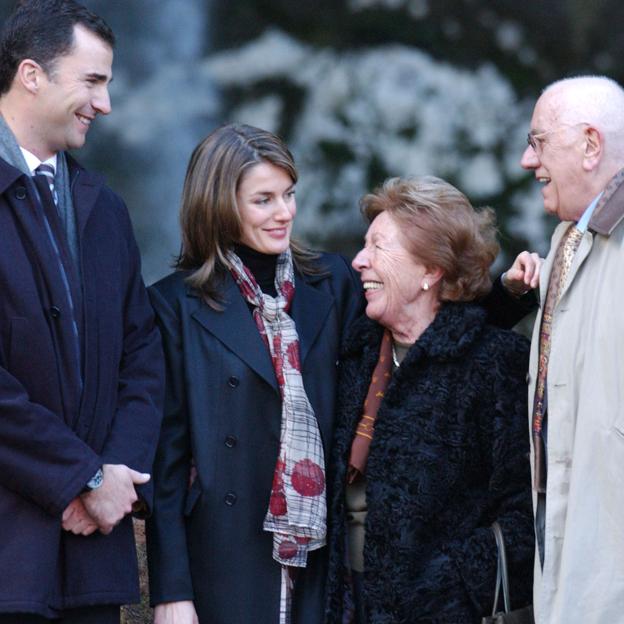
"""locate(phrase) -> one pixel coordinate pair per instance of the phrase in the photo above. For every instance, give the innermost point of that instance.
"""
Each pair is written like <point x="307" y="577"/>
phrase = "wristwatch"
<point x="94" y="482"/>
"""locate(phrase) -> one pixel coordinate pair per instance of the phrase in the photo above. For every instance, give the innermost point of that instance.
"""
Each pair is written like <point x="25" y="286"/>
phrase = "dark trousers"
<point x="84" y="615"/>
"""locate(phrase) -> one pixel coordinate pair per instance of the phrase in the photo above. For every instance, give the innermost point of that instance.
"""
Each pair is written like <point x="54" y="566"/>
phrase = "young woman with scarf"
<point x="251" y="324"/>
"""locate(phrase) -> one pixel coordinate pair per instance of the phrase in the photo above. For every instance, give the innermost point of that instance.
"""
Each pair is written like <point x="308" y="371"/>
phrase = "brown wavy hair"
<point x="441" y="229"/>
<point x="209" y="214"/>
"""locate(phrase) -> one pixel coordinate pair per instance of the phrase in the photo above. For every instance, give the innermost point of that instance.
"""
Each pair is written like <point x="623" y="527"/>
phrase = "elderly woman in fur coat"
<point x="432" y="441"/>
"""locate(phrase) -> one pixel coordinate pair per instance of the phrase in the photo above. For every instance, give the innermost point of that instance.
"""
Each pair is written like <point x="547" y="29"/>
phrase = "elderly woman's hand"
<point x="523" y="274"/>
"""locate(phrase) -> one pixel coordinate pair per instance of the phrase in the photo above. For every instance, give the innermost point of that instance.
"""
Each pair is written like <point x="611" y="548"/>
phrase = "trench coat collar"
<point x="581" y="254"/>
<point x="606" y="216"/>
<point x="235" y="328"/>
<point x="610" y="209"/>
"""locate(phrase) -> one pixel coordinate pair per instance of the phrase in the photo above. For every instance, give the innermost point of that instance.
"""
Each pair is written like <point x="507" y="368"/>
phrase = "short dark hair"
<point x="43" y="30"/>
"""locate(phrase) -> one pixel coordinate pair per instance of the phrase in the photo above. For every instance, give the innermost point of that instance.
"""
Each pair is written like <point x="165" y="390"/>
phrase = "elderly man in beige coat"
<point x="576" y="150"/>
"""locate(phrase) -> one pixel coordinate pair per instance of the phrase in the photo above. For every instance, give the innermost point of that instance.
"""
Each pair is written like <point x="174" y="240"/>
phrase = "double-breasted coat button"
<point x="20" y="192"/>
<point x="230" y="441"/>
<point x="55" y="312"/>
<point x="233" y="382"/>
<point x="230" y="499"/>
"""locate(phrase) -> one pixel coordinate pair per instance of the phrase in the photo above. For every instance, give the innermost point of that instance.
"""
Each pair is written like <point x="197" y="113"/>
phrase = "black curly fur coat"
<point x="449" y="456"/>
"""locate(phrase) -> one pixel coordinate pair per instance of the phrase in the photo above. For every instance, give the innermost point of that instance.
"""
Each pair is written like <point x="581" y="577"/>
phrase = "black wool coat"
<point x="206" y="542"/>
<point x="449" y="456"/>
<point x="54" y="432"/>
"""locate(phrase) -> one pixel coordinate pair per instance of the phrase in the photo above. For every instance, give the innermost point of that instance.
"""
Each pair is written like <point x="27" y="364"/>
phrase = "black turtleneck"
<point x="262" y="266"/>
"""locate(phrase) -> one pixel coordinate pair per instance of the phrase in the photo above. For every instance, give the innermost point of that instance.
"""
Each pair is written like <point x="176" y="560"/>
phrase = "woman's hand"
<point x="523" y="274"/>
<point x="180" y="612"/>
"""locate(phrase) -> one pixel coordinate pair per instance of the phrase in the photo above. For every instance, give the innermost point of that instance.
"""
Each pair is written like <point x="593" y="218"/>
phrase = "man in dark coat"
<point x="80" y="357"/>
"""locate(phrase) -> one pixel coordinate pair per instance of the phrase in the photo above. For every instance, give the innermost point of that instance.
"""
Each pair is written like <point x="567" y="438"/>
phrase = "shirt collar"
<point x="584" y="220"/>
<point x="33" y="162"/>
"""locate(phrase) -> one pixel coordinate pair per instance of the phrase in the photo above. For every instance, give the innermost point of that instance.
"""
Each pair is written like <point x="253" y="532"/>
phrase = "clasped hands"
<point x="105" y="507"/>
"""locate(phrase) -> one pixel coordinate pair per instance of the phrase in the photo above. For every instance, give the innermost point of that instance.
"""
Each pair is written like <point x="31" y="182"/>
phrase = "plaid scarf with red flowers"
<point x="297" y="507"/>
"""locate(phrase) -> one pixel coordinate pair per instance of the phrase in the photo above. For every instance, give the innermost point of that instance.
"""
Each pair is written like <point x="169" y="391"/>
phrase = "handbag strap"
<point x="501" y="570"/>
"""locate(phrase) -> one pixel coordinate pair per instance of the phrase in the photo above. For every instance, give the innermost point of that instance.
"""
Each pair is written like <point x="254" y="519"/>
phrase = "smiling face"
<point x="393" y="279"/>
<point x="557" y="159"/>
<point x="70" y="98"/>
<point x="267" y="207"/>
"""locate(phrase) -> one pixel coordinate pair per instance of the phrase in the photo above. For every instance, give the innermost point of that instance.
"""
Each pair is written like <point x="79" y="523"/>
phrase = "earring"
<point x="425" y="286"/>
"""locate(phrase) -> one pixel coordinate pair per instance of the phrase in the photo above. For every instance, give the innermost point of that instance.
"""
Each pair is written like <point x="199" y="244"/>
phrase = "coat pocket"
<point x="20" y="344"/>
<point x="192" y="496"/>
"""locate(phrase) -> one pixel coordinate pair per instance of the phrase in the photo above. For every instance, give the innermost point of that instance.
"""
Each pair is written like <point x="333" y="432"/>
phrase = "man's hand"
<point x="180" y="612"/>
<point x="77" y="520"/>
<point x="109" y="503"/>
<point x="523" y="274"/>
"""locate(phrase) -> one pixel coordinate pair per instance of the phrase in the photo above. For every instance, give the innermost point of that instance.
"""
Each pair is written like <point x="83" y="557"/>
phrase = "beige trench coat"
<point x="583" y="577"/>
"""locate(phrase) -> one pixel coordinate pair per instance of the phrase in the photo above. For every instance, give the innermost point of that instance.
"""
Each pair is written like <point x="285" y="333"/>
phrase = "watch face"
<point x="96" y="481"/>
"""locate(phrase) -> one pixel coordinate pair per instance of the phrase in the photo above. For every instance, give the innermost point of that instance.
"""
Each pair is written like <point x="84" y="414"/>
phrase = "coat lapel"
<point x="8" y="175"/>
<point x="550" y="258"/>
<point x="610" y="209"/>
<point x="579" y="257"/>
<point x="235" y="328"/>
<point x="310" y="308"/>
<point x="85" y="188"/>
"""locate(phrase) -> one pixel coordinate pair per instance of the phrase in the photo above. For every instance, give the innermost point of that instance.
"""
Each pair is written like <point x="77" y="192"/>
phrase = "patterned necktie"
<point x="558" y="277"/>
<point x="47" y="171"/>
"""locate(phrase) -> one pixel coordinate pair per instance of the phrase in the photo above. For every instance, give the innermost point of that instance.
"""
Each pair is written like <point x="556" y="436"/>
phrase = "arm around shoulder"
<point x="505" y="309"/>
<point x="348" y="291"/>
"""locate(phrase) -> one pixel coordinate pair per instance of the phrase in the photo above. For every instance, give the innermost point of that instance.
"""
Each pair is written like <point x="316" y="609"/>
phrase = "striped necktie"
<point x="47" y="171"/>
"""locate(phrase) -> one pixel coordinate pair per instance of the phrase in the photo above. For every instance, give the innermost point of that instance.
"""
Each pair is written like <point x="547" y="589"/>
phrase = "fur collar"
<point x="450" y="335"/>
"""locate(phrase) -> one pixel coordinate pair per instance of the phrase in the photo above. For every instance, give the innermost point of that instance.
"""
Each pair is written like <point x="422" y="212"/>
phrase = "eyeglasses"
<point x="536" y="139"/>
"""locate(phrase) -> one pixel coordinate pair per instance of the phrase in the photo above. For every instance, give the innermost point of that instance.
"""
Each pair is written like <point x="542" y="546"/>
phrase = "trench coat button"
<point x="233" y="381"/>
<point x="230" y="499"/>
<point x="55" y="312"/>
<point x="20" y="192"/>
<point x="230" y="441"/>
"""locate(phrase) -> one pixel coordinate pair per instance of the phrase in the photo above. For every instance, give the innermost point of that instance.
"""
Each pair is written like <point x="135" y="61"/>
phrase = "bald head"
<point x="595" y="100"/>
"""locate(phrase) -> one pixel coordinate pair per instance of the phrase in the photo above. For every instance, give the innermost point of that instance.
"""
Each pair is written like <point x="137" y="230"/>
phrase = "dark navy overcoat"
<point x="53" y="434"/>
<point x="206" y="543"/>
